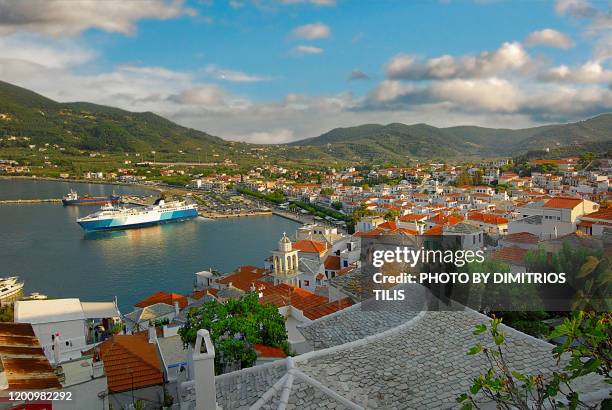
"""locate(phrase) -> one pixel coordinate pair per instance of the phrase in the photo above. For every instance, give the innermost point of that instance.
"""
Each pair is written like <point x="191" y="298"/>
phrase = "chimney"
<point x="177" y="309"/>
<point x="204" y="371"/>
<point x="152" y="334"/>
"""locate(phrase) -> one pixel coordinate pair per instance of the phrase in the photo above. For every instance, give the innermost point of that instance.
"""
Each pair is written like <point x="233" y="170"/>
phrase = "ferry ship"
<point x="73" y="198"/>
<point x="110" y="217"/>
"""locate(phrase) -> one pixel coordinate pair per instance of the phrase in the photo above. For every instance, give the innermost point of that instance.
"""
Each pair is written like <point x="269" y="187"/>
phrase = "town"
<point x="313" y="279"/>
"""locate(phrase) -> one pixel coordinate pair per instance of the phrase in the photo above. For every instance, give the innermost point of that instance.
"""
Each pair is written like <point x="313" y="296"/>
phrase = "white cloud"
<point x="302" y="49"/>
<point x="38" y="50"/>
<point x="233" y="75"/>
<point x="275" y="136"/>
<point x="312" y="31"/>
<point x="509" y="57"/>
<point x="60" y="17"/>
<point x="576" y="8"/>
<point x="209" y="95"/>
<point x="549" y="37"/>
<point x="589" y="72"/>
<point x="603" y="48"/>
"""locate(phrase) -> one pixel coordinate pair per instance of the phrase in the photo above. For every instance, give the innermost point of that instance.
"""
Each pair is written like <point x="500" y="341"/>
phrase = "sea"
<point x="46" y="248"/>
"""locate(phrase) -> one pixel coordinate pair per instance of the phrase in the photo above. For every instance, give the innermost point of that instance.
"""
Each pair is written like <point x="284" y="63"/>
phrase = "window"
<point x="306" y="283"/>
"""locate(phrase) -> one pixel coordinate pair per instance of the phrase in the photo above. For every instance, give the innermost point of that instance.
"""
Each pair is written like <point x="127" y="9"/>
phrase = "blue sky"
<point x="274" y="71"/>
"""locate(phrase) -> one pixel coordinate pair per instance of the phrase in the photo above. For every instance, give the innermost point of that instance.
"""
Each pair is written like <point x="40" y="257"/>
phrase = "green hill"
<point x="87" y="126"/>
<point x="93" y="127"/>
<point x="422" y="140"/>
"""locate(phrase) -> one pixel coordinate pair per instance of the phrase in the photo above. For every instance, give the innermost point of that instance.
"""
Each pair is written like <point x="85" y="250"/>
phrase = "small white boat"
<point x="9" y="290"/>
<point x="8" y="280"/>
<point x="35" y="296"/>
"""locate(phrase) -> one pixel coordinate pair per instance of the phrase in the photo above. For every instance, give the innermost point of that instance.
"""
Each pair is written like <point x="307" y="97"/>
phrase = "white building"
<point x="70" y="320"/>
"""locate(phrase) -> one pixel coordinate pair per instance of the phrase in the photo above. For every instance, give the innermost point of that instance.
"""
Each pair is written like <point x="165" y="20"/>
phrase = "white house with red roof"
<point x="552" y="217"/>
<point x="593" y="224"/>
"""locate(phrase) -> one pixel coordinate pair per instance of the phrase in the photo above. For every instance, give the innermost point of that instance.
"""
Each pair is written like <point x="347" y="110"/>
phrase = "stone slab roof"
<point x="420" y="363"/>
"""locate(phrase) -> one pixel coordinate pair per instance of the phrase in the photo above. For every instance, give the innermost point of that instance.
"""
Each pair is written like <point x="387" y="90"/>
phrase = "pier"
<point x="30" y="201"/>
<point x="217" y="215"/>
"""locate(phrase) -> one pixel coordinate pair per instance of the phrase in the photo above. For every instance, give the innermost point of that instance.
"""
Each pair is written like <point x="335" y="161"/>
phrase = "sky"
<point x="274" y="71"/>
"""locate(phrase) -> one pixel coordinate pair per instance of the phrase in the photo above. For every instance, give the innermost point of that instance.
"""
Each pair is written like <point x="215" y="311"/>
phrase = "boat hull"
<point x="92" y="200"/>
<point x="137" y="221"/>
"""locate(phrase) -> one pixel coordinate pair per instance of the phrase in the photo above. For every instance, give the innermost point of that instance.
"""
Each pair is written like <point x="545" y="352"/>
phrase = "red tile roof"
<point x="199" y="294"/>
<point x="310" y="246"/>
<point x="163" y="297"/>
<point x="268" y="351"/>
<point x="446" y="220"/>
<point x="487" y="218"/>
<point x="317" y="312"/>
<point x="285" y="295"/>
<point x="130" y="361"/>
<point x="332" y="262"/>
<point x="601" y="214"/>
<point x="389" y="225"/>
<point x="243" y="277"/>
<point x="436" y="230"/>
<point x="511" y="254"/>
<point x="521" y="237"/>
<point x="563" y="202"/>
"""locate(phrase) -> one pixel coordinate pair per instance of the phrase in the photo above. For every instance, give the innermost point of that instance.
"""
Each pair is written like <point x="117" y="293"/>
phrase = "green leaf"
<point x="588" y="267"/>
<point x="461" y="398"/>
<point x="475" y="349"/>
<point x="480" y="329"/>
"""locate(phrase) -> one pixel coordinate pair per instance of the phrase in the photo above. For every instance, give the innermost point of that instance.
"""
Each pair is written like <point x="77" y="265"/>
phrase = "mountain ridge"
<point x="89" y="126"/>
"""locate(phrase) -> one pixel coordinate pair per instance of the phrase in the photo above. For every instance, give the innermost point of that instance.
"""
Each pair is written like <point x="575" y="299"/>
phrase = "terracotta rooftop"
<point x="317" y="312"/>
<point x="511" y="254"/>
<point x="332" y="262"/>
<point x="521" y="237"/>
<point x="199" y="294"/>
<point x="130" y="361"/>
<point x="310" y="246"/>
<point x="23" y="360"/>
<point x="243" y="278"/>
<point x="563" y="202"/>
<point x="601" y="214"/>
<point x="436" y="230"/>
<point x="487" y="218"/>
<point x="269" y="351"/>
<point x="287" y="295"/>
<point x="163" y="297"/>
<point x="446" y="220"/>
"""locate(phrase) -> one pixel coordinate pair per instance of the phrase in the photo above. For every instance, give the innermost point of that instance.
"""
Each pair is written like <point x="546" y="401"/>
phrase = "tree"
<point x="586" y="158"/>
<point x="235" y="326"/>
<point x="327" y="191"/>
<point x="337" y="205"/>
<point x="588" y="340"/>
<point x="391" y="215"/>
<point x="588" y="274"/>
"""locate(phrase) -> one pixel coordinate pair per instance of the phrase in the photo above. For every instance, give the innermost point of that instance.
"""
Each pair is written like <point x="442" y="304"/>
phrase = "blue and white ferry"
<point x="110" y="217"/>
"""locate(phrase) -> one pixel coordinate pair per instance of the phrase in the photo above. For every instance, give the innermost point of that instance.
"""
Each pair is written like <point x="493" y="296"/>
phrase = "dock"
<point x="30" y="201"/>
<point x="216" y="215"/>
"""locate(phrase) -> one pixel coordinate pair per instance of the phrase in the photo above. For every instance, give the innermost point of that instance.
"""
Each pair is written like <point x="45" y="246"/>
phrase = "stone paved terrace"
<point x="422" y="366"/>
<point x="421" y="363"/>
<point x="361" y="320"/>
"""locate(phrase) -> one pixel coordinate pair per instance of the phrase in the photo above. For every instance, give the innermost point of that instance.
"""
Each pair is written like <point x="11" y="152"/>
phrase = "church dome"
<point x="284" y="245"/>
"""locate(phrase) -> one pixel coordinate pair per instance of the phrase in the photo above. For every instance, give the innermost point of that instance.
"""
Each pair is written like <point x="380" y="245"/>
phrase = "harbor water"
<point x="43" y="244"/>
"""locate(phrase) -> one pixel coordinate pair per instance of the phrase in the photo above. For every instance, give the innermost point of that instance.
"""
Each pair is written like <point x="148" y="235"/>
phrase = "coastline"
<point x="81" y="181"/>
